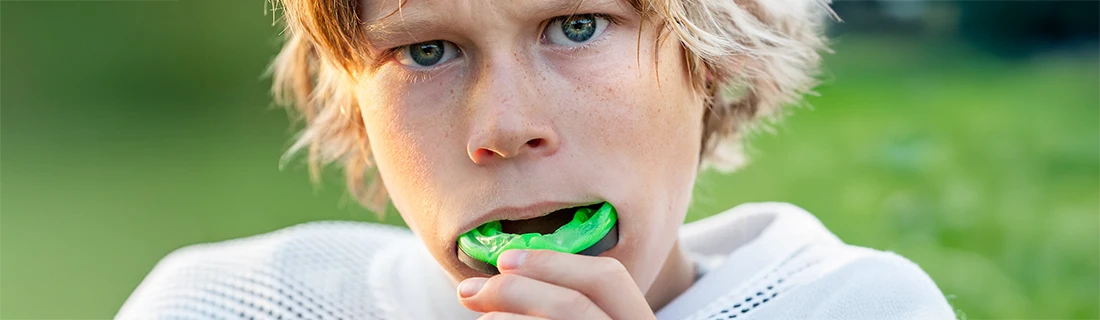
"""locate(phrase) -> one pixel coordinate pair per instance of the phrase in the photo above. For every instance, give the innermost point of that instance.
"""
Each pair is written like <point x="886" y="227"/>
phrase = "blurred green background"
<point x="969" y="145"/>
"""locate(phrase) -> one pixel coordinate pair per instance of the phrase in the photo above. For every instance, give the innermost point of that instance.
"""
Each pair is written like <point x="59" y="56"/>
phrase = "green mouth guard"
<point x="487" y="242"/>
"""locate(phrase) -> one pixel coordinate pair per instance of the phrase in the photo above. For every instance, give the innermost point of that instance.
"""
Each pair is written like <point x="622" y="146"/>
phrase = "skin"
<point x="516" y="126"/>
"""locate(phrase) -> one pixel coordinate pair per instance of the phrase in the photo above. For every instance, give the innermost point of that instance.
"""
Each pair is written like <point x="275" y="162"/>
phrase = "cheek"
<point x="665" y="139"/>
<point x="636" y="99"/>
<point x="408" y="137"/>
<point x="639" y="111"/>
<point x="642" y="120"/>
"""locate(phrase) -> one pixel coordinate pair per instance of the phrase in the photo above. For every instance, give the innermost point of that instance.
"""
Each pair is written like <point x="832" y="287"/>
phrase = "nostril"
<point x="486" y="153"/>
<point x="534" y="143"/>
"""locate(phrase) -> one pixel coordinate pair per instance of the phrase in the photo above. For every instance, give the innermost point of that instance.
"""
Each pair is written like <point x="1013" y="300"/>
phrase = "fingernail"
<point x="470" y="287"/>
<point x="511" y="259"/>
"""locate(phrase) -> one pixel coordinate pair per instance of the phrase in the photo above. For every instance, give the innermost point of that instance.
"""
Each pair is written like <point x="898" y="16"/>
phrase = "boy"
<point x="487" y="121"/>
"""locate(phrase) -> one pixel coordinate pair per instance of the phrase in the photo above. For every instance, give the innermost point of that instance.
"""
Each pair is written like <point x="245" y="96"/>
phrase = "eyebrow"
<point x="401" y="24"/>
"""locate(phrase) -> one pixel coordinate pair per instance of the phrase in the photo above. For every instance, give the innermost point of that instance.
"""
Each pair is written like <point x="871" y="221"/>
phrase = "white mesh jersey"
<point x="761" y="261"/>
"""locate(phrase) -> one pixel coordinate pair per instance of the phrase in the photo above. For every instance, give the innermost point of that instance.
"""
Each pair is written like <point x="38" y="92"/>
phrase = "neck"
<point x="677" y="274"/>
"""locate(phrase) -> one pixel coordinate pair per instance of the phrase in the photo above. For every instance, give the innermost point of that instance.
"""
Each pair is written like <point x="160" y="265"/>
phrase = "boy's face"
<point x="514" y="114"/>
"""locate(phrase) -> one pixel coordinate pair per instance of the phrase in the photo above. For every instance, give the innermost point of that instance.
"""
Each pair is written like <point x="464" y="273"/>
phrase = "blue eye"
<point x="575" y="29"/>
<point x="427" y="54"/>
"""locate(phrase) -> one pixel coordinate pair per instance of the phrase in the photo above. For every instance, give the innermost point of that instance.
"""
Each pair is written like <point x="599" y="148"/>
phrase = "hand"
<point x="544" y="284"/>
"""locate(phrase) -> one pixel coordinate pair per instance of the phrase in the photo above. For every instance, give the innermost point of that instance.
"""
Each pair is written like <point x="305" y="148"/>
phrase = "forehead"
<point x="383" y="11"/>
<point x="389" y="23"/>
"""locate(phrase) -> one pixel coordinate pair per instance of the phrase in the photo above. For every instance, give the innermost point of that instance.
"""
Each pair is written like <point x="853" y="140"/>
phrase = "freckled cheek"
<point x="600" y="91"/>
<point x="648" y="131"/>
<point x="620" y="92"/>
<point x="629" y="112"/>
<point x="653" y="129"/>
<point x="408" y="129"/>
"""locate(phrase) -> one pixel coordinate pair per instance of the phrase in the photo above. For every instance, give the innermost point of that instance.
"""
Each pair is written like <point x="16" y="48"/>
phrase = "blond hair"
<point x="749" y="58"/>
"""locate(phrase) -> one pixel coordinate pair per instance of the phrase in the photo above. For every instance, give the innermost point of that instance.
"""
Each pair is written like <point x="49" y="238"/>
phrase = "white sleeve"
<point x="310" y="271"/>
<point x="878" y="286"/>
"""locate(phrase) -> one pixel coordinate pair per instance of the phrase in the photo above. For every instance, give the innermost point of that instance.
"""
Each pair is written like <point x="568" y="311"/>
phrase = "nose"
<point x="509" y="119"/>
<point x="501" y="145"/>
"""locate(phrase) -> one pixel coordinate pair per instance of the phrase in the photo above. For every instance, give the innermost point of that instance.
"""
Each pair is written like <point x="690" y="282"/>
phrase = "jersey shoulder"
<point x="861" y="283"/>
<point x="316" y="270"/>
<point x="783" y="263"/>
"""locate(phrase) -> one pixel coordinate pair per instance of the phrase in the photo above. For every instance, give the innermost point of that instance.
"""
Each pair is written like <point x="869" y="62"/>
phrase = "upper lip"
<point x="531" y="211"/>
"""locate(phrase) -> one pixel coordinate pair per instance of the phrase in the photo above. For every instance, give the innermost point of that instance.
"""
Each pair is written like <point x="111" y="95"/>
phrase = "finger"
<point x="518" y="294"/>
<point x="603" y="280"/>
<point x="507" y="316"/>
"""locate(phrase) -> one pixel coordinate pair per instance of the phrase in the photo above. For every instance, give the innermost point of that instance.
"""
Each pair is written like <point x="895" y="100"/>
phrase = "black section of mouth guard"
<point x="606" y="243"/>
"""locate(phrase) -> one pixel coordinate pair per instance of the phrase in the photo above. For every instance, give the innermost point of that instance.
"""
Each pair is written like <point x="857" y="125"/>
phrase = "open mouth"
<point x="587" y="230"/>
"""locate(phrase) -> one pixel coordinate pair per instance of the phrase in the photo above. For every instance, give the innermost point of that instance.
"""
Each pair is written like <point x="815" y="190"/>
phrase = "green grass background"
<point x="130" y="129"/>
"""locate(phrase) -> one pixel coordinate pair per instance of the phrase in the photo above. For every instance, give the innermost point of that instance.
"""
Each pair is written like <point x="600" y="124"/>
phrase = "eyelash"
<point x="417" y="75"/>
<point x="412" y="75"/>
